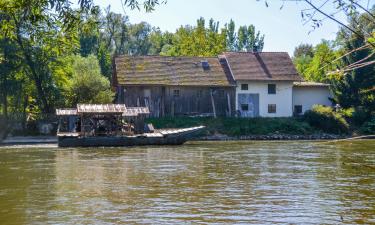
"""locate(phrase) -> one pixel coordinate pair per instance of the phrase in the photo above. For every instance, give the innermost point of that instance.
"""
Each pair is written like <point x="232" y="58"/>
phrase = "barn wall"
<point x="162" y="101"/>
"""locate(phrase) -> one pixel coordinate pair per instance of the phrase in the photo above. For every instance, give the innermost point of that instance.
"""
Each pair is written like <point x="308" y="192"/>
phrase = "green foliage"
<point x="326" y="119"/>
<point x="368" y="127"/>
<point x="197" y="41"/>
<point x="202" y="40"/>
<point x="87" y="85"/>
<point x="355" y="87"/>
<point x="359" y="116"/>
<point x="303" y="50"/>
<point x="238" y="126"/>
<point x="314" y="64"/>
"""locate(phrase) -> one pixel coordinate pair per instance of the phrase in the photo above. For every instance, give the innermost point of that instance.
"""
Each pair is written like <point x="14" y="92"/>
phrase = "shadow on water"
<point x="200" y="182"/>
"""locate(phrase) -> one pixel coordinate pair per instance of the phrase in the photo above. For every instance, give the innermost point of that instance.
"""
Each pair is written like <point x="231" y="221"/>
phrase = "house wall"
<point x="308" y="96"/>
<point x="282" y="98"/>
<point x="162" y="101"/>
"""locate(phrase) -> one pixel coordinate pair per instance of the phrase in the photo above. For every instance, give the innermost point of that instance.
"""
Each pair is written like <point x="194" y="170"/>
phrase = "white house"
<point x="308" y="94"/>
<point x="264" y="83"/>
<point x="268" y="85"/>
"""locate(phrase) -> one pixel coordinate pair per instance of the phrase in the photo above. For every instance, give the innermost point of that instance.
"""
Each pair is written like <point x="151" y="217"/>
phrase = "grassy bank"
<point x="318" y="120"/>
<point x="239" y="126"/>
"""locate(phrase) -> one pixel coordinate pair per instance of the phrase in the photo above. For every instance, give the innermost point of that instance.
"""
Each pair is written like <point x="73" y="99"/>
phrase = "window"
<point x="271" y="108"/>
<point x="245" y="107"/>
<point x="176" y="93"/>
<point x="297" y="109"/>
<point x="244" y="87"/>
<point x="272" y="89"/>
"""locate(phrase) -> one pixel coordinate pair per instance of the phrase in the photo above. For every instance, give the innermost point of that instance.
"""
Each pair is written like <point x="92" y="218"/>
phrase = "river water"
<point x="197" y="183"/>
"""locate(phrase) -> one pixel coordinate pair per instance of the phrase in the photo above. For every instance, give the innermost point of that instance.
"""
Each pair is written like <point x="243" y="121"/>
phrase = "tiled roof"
<point x="161" y="70"/>
<point x="261" y="66"/>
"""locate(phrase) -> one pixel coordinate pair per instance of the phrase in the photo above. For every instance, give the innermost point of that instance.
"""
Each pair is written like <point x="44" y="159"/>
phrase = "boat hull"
<point x="177" y="137"/>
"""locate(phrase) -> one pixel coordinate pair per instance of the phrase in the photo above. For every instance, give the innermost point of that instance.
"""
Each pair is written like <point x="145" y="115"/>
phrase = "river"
<point x="199" y="183"/>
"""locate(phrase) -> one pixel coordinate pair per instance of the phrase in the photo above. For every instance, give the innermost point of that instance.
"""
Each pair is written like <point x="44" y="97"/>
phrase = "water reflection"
<point x="218" y="183"/>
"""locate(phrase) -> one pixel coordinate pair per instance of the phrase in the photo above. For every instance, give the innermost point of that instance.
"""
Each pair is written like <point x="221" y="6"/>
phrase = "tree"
<point x="45" y="30"/>
<point x="354" y="84"/>
<point x="303" y="50"/>
<point x="231" y="36"/>
<point x="87" y="85"/>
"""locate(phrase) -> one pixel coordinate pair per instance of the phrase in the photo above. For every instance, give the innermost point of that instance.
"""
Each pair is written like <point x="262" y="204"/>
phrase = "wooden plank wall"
<point x="162" y="101"/>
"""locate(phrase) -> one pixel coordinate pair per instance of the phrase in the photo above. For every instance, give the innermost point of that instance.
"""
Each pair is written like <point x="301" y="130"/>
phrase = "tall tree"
<point x="354" y="85"/>
<point x="87" y="85"/>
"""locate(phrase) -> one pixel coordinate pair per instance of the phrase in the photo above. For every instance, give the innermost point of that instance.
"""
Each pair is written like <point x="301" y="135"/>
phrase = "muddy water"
<point x="200" y="182"/>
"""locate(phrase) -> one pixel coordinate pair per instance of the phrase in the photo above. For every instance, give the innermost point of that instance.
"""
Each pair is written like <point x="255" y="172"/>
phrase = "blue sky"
<point x="283" y="29"/>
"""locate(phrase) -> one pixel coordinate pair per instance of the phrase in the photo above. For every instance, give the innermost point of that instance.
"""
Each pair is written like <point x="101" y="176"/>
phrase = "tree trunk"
<point x="5" y="97"/>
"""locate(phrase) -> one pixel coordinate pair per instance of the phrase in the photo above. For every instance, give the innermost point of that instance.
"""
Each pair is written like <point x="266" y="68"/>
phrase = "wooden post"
<point x="172" y="108"/>
<point x="213" y="103"/>
<point x="229" y="106"/>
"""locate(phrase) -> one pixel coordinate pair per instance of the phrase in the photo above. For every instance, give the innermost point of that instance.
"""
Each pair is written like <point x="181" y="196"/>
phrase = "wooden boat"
<point x="159" y="137"/>
<point x="114" y="125"/>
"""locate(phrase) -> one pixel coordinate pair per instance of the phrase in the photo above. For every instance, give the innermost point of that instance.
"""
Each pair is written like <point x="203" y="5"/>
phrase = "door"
<point x="248" y="105"/>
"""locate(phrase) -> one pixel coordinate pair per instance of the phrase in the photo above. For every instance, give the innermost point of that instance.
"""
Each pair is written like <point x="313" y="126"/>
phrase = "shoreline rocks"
<point x="273" y="137"/>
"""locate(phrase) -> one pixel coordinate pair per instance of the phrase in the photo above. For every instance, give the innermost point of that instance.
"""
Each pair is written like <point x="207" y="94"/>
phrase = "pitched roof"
<point x="168" y="71"/>
<point x="261" y="66"/>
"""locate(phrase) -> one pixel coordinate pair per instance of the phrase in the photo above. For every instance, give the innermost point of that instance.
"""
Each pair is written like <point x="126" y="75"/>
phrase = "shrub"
<point x="360" y="116"/>
<point x="368" y="127"/>
<point x="325" y="119"/>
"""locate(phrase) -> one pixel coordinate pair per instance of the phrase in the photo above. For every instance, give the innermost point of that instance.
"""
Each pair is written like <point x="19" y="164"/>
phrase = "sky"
<point x="283" y="28"/>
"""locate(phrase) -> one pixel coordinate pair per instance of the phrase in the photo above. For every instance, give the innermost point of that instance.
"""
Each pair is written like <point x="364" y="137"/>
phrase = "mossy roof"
<point x="262" y="66"/>
<point x="170" y="71"/>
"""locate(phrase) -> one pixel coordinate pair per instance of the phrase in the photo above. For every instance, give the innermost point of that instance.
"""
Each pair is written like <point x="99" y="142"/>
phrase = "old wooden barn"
<point x="172" y="86"/>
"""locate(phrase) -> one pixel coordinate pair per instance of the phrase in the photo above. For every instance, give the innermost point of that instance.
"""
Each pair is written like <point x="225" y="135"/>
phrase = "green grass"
<point x="239" y="126"/>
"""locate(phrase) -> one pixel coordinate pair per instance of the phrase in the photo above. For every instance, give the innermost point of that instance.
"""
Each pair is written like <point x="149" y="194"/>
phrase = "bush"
<point x="368" y="127"/>
<point x="360" y="116"/>
<point x="325" y="119"/>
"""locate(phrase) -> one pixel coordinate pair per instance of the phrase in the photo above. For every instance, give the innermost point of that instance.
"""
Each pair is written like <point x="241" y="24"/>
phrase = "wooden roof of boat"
<point x="66" y="112"/>
<point x="104" y="108"/>
<point x="135" y="111"/>
<point x="101" y="108"/>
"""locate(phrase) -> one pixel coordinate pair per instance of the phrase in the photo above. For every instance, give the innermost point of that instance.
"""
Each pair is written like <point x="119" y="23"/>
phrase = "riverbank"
<point x="273" y="137"/>
<point x="251" y="128"/>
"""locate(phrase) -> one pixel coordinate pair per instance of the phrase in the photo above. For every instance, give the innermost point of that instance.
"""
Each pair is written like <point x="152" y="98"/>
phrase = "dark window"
<point x="298" y="109"/>
<point x="205" y="65"/>
<point x="271" y="108"/>
<point x="271" y="88"/>
<point x="176" y="93"/>
<point x="244" y="87"/>
<point x="245" y="107"/>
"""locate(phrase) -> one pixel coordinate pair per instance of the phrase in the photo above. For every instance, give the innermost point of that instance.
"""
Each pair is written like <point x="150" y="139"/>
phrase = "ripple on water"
<point x="200" y="182"/>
